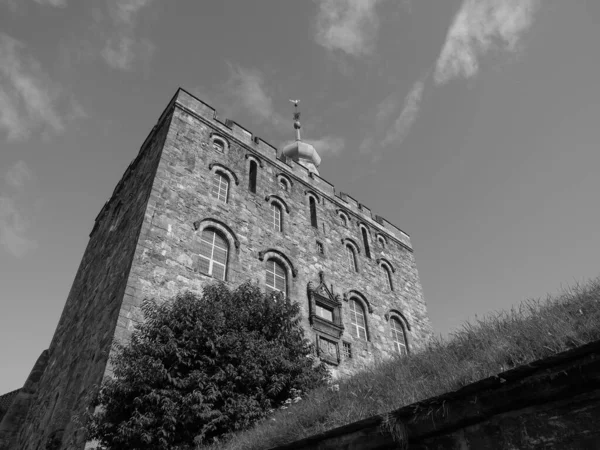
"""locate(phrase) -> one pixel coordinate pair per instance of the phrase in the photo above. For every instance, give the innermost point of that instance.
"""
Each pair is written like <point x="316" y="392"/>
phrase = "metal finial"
<point x="297" y="124"/>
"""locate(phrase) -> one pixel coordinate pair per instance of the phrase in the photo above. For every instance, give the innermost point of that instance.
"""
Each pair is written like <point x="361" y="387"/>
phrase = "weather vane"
<point x="297" y="125"/>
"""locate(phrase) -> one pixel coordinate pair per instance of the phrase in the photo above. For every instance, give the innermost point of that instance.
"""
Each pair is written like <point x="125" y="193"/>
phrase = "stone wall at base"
<point x="552" y="404"/>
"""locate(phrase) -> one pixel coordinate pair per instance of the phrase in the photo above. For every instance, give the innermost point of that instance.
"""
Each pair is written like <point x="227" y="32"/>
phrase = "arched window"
<point x="313" y="212"/>
<point x="283" y="184"/>
<point x="387" y="274"/>
<point x="366" y="242"/>
<point x="351" y="258"/>
<point x="381" y="241"/>
<point x="252" y="177"/>
<point x="357" y="320"/>
<point x="344" y="220"/>
<point x="399" y="336"/>
<point x="276" y="279"/>
<point x="276" y="217"/>
<point x="220" y="187"/>
<point x="213" y="254"/>
<point x="218" y="145"/>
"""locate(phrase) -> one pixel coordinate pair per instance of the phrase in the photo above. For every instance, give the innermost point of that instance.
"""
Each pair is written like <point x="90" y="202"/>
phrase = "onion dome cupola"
<point x="300" y="151"/>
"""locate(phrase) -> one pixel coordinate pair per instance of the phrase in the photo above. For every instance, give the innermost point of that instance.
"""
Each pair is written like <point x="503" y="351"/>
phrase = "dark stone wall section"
<point x="80" y="347"/>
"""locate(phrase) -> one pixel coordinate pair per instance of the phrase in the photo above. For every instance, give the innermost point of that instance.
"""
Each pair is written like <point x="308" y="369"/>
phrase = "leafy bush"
<point x="200" y="368"/>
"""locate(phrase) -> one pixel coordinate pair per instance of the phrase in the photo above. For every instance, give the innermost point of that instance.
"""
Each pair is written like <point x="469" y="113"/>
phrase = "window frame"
<point x="351" y="259"/>
<point x="399" y="345"/>
<point x="354" y="325"/>
<point x="222" y="176"/>
<point x="274" y="289"/>
<point x="276" y="224"/>
<point x="211" y="260"/>
<point x="347" y="350"/>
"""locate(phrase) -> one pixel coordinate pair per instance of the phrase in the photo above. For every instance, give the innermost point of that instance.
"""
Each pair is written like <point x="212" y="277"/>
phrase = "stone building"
<point x="206" y="200"/>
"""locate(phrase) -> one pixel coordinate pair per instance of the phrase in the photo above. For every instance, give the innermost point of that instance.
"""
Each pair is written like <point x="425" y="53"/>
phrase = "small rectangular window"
<point x="324" y="313"/>
<point x="320" y="249"/>
<point x="347" y="349"/>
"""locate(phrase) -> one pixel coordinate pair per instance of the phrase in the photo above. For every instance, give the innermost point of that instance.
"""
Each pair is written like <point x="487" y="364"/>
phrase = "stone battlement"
<point x="267" y="152"/>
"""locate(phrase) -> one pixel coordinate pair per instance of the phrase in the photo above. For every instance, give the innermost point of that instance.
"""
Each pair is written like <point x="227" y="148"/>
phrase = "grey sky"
<point x="471" y="124"/>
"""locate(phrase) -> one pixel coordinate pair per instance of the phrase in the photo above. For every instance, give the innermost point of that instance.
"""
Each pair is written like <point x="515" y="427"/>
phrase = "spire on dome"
<point x="297" y="124"/>
<point x="301" y="152"/>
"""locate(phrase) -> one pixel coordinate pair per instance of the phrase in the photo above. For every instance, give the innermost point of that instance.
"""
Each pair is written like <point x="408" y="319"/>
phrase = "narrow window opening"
<point x="366" y="242"/>
<point x="387" y="273"/>
<point x="252" y="180"/>
<point x="344" y="220"/>
<point x="276" y="211"/>
<point x="351" y="258"/>
<point x="320" y="249"/>
<point x="313" y="212"/>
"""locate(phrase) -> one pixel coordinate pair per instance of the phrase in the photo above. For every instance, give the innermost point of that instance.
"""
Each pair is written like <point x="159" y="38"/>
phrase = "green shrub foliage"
<point x="199" y="368"/>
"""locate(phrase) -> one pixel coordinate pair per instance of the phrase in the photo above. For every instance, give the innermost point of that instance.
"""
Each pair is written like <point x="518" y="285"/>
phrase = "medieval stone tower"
<point x="206" y="200"/>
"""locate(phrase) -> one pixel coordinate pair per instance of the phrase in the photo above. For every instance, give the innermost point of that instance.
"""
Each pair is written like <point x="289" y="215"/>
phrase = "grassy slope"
<point x="498" y="342"/>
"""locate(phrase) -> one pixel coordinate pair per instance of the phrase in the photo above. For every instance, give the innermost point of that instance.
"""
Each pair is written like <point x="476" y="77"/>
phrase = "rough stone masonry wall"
<point x="166" y="261"/>
<point x="81" y="343"/>
<point x="551" y="404"/>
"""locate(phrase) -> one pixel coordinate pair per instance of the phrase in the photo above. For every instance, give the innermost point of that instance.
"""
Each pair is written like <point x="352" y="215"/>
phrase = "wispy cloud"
<point x="28" y="98"/>
<point x="14" y="225"/>
<point x="122" y="47"/>
<point x="56" y="3"/>
<point x="479" y="26"/>
<point x="247" y="86"/>
<point x="399" y="129"/>
<point x="347" y="25"/>
<point x="393" y="119"/>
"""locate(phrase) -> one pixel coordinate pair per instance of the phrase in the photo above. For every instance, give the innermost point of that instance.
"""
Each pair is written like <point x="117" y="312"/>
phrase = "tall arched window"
<point x="357" y="320"/>
<point x="276" y="217"/>
<point x="387" y="274"/>
<point x="399" y="336"/>
<point x="313" y="211"/>
<point x="252" y="177"/>
<point x="344" y="220"/>
<point x="220" y="187"/>
<point x="276" y="279"/>
<point x="366" y="242"/>
<point x="351" y="258"/>
<point x="213" y="254"/>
